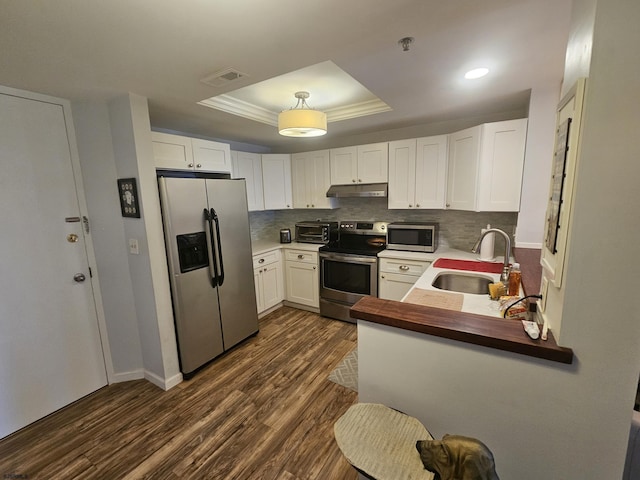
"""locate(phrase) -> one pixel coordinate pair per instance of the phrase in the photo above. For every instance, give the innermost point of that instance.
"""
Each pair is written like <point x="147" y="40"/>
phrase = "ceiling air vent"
<point x="223" y="77"/>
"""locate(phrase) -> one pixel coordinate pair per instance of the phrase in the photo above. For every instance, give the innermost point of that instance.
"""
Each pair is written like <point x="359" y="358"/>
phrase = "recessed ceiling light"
<point x="476" y="73"/>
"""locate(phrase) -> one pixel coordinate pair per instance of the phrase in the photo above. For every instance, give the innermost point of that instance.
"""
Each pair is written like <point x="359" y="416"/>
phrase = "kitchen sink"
<point x="463" y="283"/>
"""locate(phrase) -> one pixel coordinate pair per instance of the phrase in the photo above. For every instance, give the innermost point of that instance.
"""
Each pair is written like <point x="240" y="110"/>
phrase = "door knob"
<point x="79" y="277"/>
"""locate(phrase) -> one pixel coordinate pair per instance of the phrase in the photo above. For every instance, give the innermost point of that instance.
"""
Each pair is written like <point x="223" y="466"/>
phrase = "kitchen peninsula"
<point x="477" y="322"/>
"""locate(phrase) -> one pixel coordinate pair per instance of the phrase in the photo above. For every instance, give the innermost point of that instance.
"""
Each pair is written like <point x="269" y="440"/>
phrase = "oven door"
<point x="347" y="278"/>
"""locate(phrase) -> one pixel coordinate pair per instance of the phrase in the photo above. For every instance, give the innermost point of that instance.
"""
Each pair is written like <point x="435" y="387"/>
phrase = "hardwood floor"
<point x="264" y="410"/>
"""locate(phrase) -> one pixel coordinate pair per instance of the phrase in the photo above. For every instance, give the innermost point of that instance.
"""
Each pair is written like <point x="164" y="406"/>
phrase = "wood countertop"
<point x="492" y="332"/>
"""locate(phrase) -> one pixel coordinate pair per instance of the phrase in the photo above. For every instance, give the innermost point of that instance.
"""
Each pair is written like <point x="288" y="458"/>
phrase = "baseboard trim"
<point x="126" y="376"/>
<point x="164" y="384"/>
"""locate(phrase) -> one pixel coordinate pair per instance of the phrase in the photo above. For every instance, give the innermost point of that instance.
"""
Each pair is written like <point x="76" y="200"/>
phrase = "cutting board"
<point x="447" y="300"/>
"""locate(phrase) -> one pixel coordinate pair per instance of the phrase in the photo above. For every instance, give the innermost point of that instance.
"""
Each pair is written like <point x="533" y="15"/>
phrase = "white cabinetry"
<point x="360" y="164"/>
<point x="249" y="166"/>
<point x="175" y="152"/>
<point x="418" y="173"/>
<point x="276" y="181"/>
<point x="397" y="276"/>
<point x="311" y="179"/>
<point x="268" y="278"/>
<point x="485" y="167"/>
<point x="302" y="278"/>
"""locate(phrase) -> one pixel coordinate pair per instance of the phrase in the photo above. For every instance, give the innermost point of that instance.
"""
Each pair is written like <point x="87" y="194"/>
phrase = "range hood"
<point x="358" y="190"/>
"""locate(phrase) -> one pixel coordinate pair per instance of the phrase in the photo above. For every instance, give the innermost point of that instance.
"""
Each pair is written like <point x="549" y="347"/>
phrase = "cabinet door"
<point x="431" y="172"/>
<point x="272" y="285"/>
<point x="344" y="165"/>
<point x="501" y="165"/>
<point x="392" y="286"/>
<point x="373" y="163"/>
<point x="249" y="166"/>
<point x="257" y="280"/>
<point x="402" y="171"/>
<point x="276" y="181"/>
<point x="303" y="284"/>
<point x="319" y="179"/>
<point x="464" y="151"/>
<point x="211" y="156"/>
<point x="172" y="152"/>
<point x="300" y="189"/>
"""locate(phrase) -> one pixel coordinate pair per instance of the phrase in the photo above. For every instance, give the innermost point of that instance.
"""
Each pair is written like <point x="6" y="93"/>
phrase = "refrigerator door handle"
<point x="213" y="267"/>
<point x="220" y="275"/>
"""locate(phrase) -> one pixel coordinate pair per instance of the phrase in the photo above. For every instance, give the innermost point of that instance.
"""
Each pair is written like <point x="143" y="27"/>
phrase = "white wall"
<point x="129" y="119"/>
<point x="537" y="166"/>
<point x="91" y="120"/>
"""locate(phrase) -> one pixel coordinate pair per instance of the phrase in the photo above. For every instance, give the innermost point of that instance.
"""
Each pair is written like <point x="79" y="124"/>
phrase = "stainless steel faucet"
<point x="504" y="276"/>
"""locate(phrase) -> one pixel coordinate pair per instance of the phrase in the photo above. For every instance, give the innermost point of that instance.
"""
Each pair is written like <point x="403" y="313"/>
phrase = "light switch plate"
<point x="133" y="246"/>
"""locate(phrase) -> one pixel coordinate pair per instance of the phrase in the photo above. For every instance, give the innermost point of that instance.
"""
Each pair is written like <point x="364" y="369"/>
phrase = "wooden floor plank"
<point x="265" y="410"/>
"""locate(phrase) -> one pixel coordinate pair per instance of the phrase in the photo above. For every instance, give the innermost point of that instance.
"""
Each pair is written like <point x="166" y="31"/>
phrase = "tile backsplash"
<point x="458" y="229"/>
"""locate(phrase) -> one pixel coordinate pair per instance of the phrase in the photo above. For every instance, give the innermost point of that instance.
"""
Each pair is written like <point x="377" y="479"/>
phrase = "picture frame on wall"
<point x="128" y="194"/>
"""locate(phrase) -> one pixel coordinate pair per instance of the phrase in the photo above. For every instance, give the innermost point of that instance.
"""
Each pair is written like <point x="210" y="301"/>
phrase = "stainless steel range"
<point x="349" y="267"/>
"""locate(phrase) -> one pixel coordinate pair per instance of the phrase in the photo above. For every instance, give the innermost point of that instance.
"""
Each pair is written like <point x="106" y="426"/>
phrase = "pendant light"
<point x="302" y="120"/>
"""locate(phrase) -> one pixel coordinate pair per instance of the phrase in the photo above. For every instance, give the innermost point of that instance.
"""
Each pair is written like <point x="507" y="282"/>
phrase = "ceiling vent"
<point x="223" y="77"/>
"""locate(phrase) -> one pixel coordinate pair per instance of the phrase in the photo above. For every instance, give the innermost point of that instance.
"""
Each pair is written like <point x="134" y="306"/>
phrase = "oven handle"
<point x="348" y="258"/>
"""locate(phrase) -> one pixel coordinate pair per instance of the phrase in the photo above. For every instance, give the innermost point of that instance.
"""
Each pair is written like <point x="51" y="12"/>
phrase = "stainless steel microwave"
<point x="412" y="236"/>
<point x="316" y="232"/>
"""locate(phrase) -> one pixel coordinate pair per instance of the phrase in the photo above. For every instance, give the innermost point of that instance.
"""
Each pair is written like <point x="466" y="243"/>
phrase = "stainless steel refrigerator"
<point x="206" y="224"/>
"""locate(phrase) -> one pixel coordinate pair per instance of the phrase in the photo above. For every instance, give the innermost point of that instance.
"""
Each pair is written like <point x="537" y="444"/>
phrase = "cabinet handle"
<point x="314" y="267"/>
<point x="199" y="165"/>
<point x="300" y="256"/>
<point x="360" y="180"/>
<point x="288" y="206"/>
<point x="404" y="268"/>
<point x="410" y="205"/>
<point x="353" y="180"/>
<point x="448" y="205"/>
<point x="381" y="276"/>
<point x="190" y="165"/>
<point x="417" y="205"/>
<point x="312" y="205"/>
<point x="307" y="205"/>
<point x="261" y="260"/>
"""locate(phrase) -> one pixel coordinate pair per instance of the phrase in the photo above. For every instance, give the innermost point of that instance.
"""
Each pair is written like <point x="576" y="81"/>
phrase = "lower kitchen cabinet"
<point x="302" y="278"/>
<point x="268" y="278"/>
<point x="397" y="276"/>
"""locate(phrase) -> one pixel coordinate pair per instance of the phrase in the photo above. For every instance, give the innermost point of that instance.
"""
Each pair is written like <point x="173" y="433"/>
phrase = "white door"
<point x="50" y="349"/>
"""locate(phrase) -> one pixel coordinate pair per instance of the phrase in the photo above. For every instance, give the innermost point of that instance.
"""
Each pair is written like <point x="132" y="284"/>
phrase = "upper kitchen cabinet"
<point x="311" y="179"/>
<point x="360" y="164"/>
<point x="418" y="173"/>
<point x="175" y="152"/>
<point x="276" y="181"/>
<point x="249" y="166"/>
<point x="485" y="167"/>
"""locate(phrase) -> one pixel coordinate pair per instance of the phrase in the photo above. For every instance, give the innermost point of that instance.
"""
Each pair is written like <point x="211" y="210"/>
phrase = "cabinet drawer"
<point x="407" y="267"/>
<point x="301" y="256"/>
<point x="266" y="258"/>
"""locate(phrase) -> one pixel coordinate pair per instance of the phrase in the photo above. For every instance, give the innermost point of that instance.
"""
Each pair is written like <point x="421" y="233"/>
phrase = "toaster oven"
<point x="317" y="232"/>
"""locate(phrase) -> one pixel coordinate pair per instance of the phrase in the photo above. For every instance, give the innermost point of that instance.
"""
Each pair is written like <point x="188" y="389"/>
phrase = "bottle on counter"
<point x="515" y="277"/>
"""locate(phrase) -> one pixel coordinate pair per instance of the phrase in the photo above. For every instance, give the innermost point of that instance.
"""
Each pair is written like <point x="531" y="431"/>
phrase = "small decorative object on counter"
<point x="515" y="277"/>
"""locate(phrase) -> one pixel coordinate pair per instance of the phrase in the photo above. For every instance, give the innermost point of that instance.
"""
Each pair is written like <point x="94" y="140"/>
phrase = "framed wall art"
<point x="128" y="193"/>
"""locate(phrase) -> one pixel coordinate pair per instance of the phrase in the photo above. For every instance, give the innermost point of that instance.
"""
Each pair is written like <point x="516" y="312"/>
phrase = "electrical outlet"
<point x="133" y="246"/>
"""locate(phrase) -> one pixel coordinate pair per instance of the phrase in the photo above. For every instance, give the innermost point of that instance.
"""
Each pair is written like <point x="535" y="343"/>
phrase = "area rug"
<point x="346" y="373"/>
